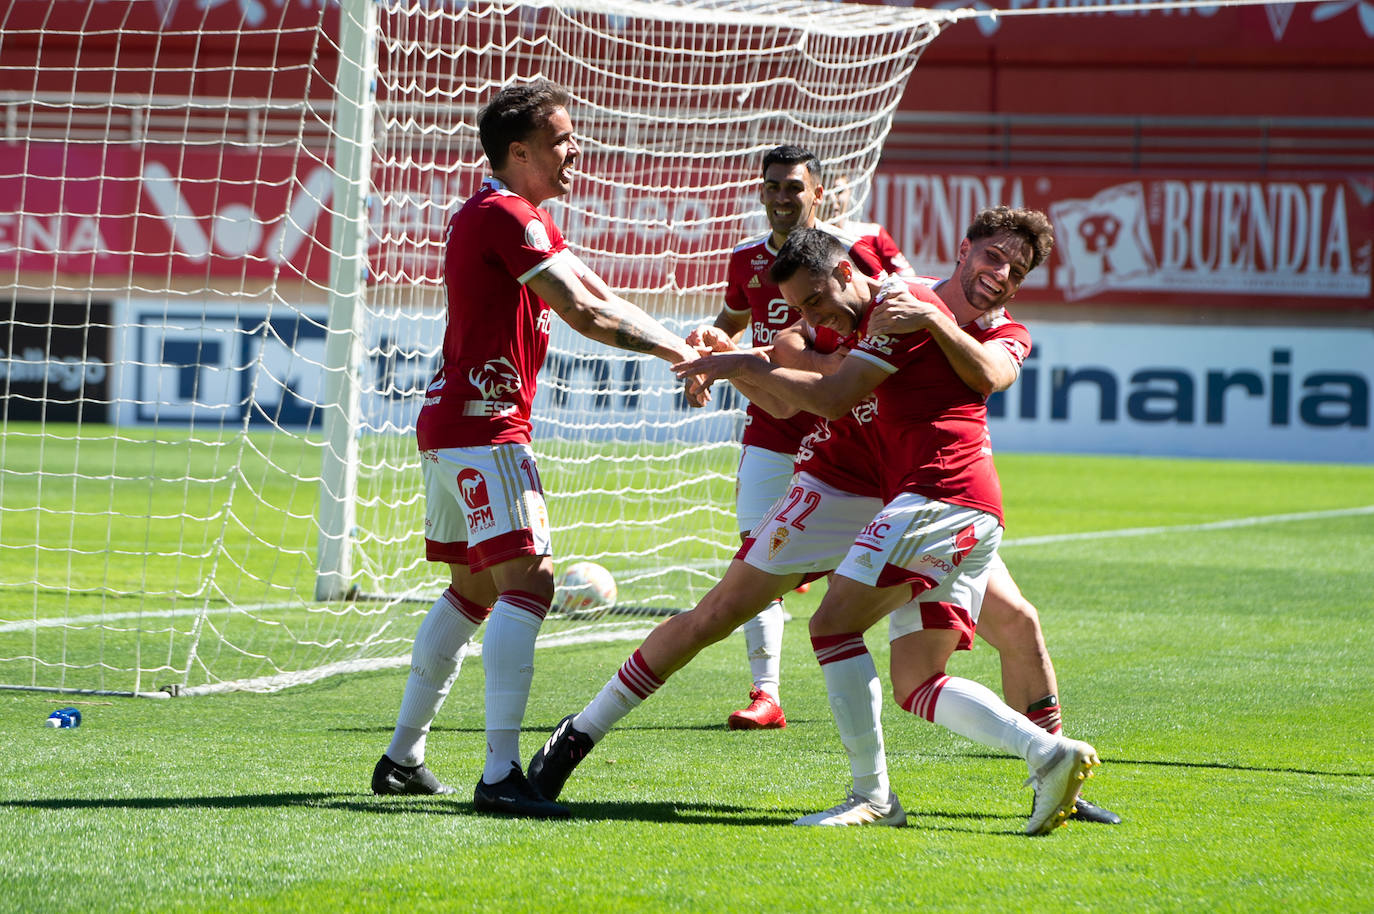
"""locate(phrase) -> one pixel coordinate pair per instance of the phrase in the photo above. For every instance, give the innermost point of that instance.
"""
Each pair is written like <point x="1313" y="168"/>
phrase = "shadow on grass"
<point x="1109" y="761"/>
<point x="528" y="729"/>
<point x="691" y="813"/>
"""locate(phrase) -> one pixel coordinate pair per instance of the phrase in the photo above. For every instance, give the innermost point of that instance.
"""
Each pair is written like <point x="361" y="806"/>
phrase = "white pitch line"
<point x="94" y="619"/>
<point x="1187" y="528"/>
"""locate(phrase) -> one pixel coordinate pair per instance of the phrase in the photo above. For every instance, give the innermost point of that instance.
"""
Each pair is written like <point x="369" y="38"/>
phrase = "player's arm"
<point x="830" y="395"/>
<point x="985" y="367"/>
<point x="589" y="306"/>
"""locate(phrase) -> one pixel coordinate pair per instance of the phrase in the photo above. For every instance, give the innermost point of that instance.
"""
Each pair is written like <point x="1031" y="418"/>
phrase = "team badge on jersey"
<point x="535" y="235"/>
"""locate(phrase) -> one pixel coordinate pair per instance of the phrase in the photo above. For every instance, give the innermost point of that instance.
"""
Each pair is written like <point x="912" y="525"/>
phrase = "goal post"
<point x="353" y="122"/>
<point x="221" y="299"/>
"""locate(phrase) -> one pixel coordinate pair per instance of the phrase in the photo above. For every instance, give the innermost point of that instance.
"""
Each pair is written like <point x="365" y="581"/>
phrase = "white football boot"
<point x="1057" y="783"/>
<point x="857" y="810"/>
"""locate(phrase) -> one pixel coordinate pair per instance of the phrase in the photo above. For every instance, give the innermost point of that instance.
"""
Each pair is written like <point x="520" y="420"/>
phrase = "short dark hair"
<point x="793" y="155"/>
<point x="514" y="113"/>
<point x="809" y="249"/>
<point x="1031" y="224"/>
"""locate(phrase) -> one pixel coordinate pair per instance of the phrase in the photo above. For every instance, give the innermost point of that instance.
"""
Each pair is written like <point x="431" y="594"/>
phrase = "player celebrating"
<point x="925" y="557"/>
<point x="834" y="494"/>
<point x="506" y="269"/>
<point x="792" y="195"/>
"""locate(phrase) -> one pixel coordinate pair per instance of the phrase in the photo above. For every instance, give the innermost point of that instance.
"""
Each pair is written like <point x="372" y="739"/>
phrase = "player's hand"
<point x="697" y="392"/>
<point x="710" y="339"/>
<point x="712" y="368"/>
<point x="900" y="312"/>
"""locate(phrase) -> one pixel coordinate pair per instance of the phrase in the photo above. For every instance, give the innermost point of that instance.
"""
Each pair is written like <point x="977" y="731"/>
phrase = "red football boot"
<point x="763" y="713"/>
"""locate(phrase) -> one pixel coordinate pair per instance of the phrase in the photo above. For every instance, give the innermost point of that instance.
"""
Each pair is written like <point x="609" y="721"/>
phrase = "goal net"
<point x="221" y="298"/>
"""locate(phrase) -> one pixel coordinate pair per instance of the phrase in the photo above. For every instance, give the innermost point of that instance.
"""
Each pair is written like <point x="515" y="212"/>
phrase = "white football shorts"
<point x="762" y="478"/>
<point x="944" y="552"/>
<point x="483" y="505"/>
<point x="809" y="530"/>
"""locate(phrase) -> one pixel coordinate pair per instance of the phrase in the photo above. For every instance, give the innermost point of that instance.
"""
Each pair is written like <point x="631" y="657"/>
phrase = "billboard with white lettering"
<point x="1299" y="244"/>
<point x="54" y="361"/>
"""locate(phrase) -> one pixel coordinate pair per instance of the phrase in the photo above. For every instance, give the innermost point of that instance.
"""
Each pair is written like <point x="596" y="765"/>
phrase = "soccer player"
<point x="792" y="194"/>
<point x="833" y="495"/>
<point x="836" y="203"/>
<point x="924" y="558"/>
<point x="507" y="270"/>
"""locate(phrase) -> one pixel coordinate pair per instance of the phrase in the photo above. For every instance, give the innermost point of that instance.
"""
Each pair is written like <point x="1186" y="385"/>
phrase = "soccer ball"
<point x="585" y="590"/>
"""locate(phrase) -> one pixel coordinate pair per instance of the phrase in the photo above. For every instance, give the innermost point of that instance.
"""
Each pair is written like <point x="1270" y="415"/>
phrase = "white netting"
<point x="217" y="318"/>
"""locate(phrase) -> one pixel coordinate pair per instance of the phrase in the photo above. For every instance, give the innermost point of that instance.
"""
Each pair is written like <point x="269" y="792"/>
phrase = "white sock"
<point x="508" y="659"/>
<point x="856" y="701"/>
<point x="974" y="711"/>
<point x="621" y="694"/>
<point x="763" y="640"/>
<point x="435" y="660"/>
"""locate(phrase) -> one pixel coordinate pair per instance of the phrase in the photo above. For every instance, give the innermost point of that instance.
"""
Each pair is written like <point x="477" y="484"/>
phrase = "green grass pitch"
<point x="1224" y="673"/>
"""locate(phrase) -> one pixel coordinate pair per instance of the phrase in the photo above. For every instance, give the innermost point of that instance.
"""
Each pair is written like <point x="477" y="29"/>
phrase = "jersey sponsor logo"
<point x="866" y="411"/>
<point x="472" y="485"/>
<point x="495" y="378"/>
<point x="536" y="236"/>
<point x="759" y="262"/>
<point x="777" y="541"/>
<point x="545" y="321"/>
<point x="879" y="343"/>
<point x="753" y="282"/>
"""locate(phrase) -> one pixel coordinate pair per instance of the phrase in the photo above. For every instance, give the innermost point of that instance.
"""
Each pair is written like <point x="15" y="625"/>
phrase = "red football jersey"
<point x="932" y="432"/>
<point x="498" y="331"/>
<point x="749" y="291"/>
<point x="839" y="452"/>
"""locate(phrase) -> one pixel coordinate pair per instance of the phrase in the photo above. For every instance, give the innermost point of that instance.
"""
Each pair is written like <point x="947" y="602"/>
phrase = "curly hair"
<point x="1031" y="224"/>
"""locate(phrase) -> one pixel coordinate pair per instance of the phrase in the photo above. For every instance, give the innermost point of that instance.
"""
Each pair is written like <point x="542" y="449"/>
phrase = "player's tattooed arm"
<point x="589" y="306"/>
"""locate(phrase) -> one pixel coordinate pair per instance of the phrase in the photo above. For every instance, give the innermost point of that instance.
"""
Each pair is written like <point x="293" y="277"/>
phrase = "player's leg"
<point x="435" y="659"/>
<point x="924" y="635"/>
<point x="508" y="541"/>
<point x="442" y="636"/>
<point x="670" y="646"/>
<point x="763" y="477"/>
<point x="851" y="683"/>
<point x="1011" y="624"/>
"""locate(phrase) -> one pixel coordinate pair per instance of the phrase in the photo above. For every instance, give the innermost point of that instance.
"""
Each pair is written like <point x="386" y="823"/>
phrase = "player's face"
<point x="832" y="300"/>
<point x="790" y="198"/>
<point x="837" y="200"/>
<point x="550" y="154"/>
<point x="991" y="269"/>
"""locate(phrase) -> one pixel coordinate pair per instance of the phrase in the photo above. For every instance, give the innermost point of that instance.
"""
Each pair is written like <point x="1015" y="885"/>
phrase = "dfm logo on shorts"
<point x="472" y="485"/>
